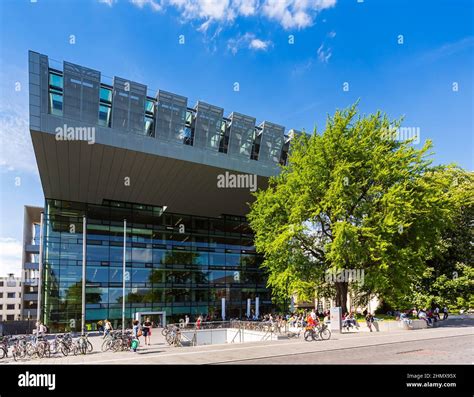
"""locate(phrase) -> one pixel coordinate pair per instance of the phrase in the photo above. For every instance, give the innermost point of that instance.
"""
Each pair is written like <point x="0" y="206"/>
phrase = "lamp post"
<point x="84" y="245"/>
<point x="123" y="273"/>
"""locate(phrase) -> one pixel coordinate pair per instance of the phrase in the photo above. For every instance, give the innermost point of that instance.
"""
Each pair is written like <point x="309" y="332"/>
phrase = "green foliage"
<point x="449" y="273"/>
<point x="352" y="197"/>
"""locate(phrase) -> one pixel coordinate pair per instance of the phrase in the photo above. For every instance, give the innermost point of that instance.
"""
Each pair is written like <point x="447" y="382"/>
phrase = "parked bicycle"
<point x="60" y="344"/>
<point x="81" y="345"/>
<point x="4" y="344"/>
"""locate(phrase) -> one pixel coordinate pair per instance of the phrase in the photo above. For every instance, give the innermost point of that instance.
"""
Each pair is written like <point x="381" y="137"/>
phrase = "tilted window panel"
<point x="208" y="131"/>
<point x="128" y="105"/>
<point x="170" y="116"/>
<point x="242" y="135"/>
<point x="271" y="142"/>
<point x="81" y="93"/>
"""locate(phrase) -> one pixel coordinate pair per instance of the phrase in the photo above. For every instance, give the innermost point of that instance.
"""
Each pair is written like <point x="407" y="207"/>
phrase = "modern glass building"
<point x="110" y="153"/>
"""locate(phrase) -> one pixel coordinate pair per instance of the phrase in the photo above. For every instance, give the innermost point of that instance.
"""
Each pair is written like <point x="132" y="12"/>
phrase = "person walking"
<point x="198" y="322"/>
<point x="136" y="333"/>
<point x="445" y="313"/>
<point x="369" y="319"/>
<point x="436" y="313"/>
<point x="146" y="330"/>
<point x="107" y="327"/>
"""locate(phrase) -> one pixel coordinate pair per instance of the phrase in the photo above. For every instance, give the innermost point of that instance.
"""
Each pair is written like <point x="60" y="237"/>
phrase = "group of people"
<point x="138" y="330"/>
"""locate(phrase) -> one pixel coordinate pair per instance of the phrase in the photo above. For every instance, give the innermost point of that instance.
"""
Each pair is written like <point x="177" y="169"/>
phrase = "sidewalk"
<point x="161" y="353"/>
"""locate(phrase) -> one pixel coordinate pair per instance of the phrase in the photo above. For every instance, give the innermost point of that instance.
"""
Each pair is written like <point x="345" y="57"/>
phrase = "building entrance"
<point x="158" y="319"/>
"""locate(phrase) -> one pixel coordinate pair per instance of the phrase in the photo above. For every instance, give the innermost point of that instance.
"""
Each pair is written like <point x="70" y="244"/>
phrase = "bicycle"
<point x="19" y="348"/>
<point x="4" y="344"/>
<point x="317" y="332"/>
<point x="81" y="345"/>
<point x="60" y="344"/>
<point x="174" y="337"/>
<point x="36" y="347"/>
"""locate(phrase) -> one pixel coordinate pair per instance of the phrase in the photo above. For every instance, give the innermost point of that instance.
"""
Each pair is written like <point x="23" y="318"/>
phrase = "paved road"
<point x="453" y="345"/>
<point x="444" y="350"/>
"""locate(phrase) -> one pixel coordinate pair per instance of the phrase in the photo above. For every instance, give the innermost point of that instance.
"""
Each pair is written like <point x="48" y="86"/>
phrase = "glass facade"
<point x="175" y="263"/>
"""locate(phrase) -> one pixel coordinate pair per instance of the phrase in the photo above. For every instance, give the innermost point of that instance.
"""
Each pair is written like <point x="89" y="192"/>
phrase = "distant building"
<point x="10" y="298"/>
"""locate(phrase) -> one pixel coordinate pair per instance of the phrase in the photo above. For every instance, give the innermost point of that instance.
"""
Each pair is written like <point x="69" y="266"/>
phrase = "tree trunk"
<point x="341" y="295"/>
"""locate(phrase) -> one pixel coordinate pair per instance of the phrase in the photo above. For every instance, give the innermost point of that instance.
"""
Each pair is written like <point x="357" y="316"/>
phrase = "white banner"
<point x="223" y="309"/>
<point x="257" y="306"/>
<point x="249" y="303"/>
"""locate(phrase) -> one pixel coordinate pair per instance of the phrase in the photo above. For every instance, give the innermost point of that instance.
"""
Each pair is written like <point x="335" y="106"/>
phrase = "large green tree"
<point x="448" y="278"/>
<point x="353" y="197"/>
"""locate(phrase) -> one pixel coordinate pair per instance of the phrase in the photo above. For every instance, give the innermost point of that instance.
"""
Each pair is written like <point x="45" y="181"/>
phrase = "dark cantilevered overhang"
<point x="78" y="171"/>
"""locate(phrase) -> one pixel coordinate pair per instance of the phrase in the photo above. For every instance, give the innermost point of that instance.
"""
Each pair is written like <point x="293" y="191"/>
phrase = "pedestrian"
<point x="107" y="327"/>
<point x="436" y="313"/>
<point x="100" y="326"/>
<point x="198" y="322"/>
<point x="136" y="333"/>
<point x="146" y="330"/>
<point x="369" y="319"/>
<point x="186" y="321"/>
<point x="445" y="313"/>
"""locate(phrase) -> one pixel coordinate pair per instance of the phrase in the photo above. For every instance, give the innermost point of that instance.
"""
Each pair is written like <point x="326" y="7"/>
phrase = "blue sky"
<point x="295" y="83"/>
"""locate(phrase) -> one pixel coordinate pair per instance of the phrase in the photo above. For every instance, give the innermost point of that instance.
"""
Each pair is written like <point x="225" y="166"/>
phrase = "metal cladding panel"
<point x="271" y="143"/>
<point x="44" y="84"/>
<point x="242" y="135"/>
<point x="207" y="132"/>
<point x="128" y="106"/>
<point x="81" y="93"/>
<point x="170" y="116"/>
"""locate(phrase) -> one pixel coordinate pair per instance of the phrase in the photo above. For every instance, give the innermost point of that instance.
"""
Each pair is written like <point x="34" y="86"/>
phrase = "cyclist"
<point x="311" y="321"/>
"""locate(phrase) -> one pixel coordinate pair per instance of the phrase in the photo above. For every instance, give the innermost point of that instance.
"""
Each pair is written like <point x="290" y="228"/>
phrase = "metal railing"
<point x="188" y="332"/>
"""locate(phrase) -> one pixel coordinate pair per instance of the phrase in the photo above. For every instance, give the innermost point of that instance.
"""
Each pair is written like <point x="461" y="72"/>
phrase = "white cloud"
<point x="248" y="40"/>
<point x="246" y="7"/>
<point x="258" y="44"/>
<point x="324" y="54"/>
<point x="332" y="34"/>
<point x="297" y="14"/>
<point x="110" y="3"/>
<point x="154" y="5"/>
<point x="10" y="256"/>
<point x="16" y="149"/>
<point x="290" y="14"/>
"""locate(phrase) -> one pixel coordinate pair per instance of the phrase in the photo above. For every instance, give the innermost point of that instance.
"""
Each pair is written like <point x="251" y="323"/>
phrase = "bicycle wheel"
<point x="40" y="350"/>
<point x="308" y="335"/>
<point x="15" y="353"/>
<point x="30" y="350"/>
<point x="164" y="331"/>
<point x="89" y="347"/>
<point x="83" y="346"/>
<point x="116" y="345"/>
<point x="3" y="352"/>
<point x="106" y="345"/>
<point x="64" y="350"/>
<point x="325" y="334"/>
<point x="47" y="349"/>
